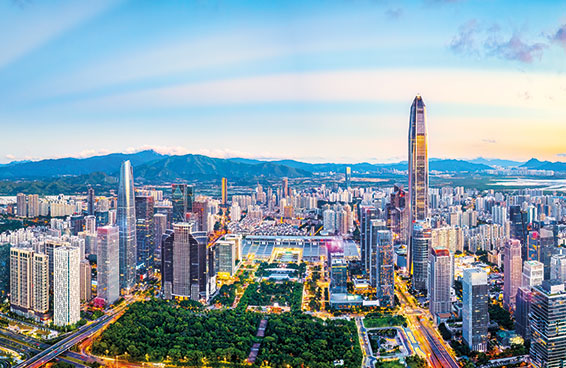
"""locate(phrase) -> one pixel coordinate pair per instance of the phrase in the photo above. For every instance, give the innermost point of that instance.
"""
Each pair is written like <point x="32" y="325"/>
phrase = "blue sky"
<point x="311" y="80"/>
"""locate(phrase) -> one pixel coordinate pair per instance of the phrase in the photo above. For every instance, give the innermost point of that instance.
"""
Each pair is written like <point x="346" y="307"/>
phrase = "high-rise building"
<point x="511" y="272"/>
<point x="475" y="317"/>
<point x="372" y="252"/>
<point x="126" y="220"/>
<point x="160" y="223"/>
<point x="558" y="267"/>
<point x="22" y="205"/>
<point x="338" y="275"/>
<point x="108" y="265"/>
<point x="66" y="295"/>
<point x="385" y="268"/>
<point x="86" y="281"/>
<point x="548" y="325"/>
<point x="348" y="177"/>
<point x="418" y="173"/>
<point x="29" y="282"/>
<point x="420" y="243"/>
<point x="90" y="201"/>
<point x="519" y="224"/>
<point x="182" y="259"/>
<point x="396" y="214"/>
<point x="285" y="188"/>
<point x="533" y="273"/>
<point x="181" y="195"/>
<point x="90" y="224"/>
<point x="226" y="254"/>
<point x="522" y="310"/>
<point x="439" y="283"/>
<point x="224" y="191"/>
<point x="329" y="220"/>
<point x="367" y="213"/>
<point x="145" y="234"/>
<point x="167" y="243"/>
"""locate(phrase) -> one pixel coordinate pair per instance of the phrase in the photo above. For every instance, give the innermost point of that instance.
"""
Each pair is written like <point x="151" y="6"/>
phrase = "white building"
<point x="66" y="287"/>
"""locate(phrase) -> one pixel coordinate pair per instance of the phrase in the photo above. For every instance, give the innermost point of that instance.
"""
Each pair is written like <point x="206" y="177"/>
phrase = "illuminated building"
<point x="224" y="191"/>
<point x="66" y="295"/>
<point x="145" y="235"/>
<point x="511" y="272"/>
<point x="475" y="316"/>
<point x="439" y="283"/>
<point x="90" y="201"/>
<point x="385" y="269"/>
<point x="108" y="265"/>
<point x="86" y="280"/>
<point x="533" y="273"/>
<point x="167" y="241"/>
<point x="182" y="201"/>
<point x="126" y="220"/>
<point x="418" y="175"/>
<point x="348" y="177"/>
<point x="420" y="241"/>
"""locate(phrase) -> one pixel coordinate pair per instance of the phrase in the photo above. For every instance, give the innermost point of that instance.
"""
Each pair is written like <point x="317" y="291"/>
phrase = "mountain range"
<point x="150" y="166"/>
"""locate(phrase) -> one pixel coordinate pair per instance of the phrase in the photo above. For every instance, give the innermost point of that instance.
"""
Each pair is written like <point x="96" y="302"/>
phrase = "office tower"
<point x="66" y="295"/>
<point x="439" y="283"/>
<point x="475" y="316"/>
<point x="90" y="224"/>
<point x="547" y="250"/>
<point x="224" y="191"/>
<point x="385" y="269"/>
<point x="417" y="171"/>
<point x="338" y="275"/>
<point x="518" y="220"/>
<point x="77" y="224"/>
<point x="367" y="213"/>
<point x="558" y="267"/>
<point x="511" y="272"/>
<point x="372" y="251"/>
<point x="420" y="241"/>
<point x="237" y="239"/>
<point x="86" y="281"/>
<point x="285" y="188"/>
<point x="90" y="201"/>
<point x="167" y="243"/>
<point x="533" y="273"/>
<point x="145" y="235"/>
<point x="548" y="325"/>
<point x="200" y="211"/>
<point x="22" y="205"/>
<point x="160" y="224"/>
<point x="201" y="262"/>
<point x="108" y="264"/>
<point x="50" y="246"/>
<point x="126" y="220"/>
<point x="226" y="254"/>
<point x="179" y="200"/>
<point x="522" y="310"/>
<point x="396" y="214"/>
<point x="182" y="259"/>
<point x="348" y="177"/>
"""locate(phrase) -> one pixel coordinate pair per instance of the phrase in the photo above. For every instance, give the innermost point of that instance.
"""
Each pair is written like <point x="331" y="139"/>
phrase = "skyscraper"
<point x="126" y="220"/>
<point x="86" y="280"/>
<point x="511" y="272"/>
<point x="160" y="223"/>
<point x="182" y="259"/>
<point x="440" y="282"/>
<point x="548" y="326"/>
<point x="367" y="213"/>
<point x="558" y="267"/>
<point x="108" y="265"/>
<point x="418" y="173"/>
<point x="66" y="295"/>
<point x="385" y="268"/>
<point x="533" y="273"/>
<point x="522" y="310"/>
<point x="182" y="200"/>
<point x="29" y="282"/>
<point x="420" y="241"/>
<point x="475" y="317"/>
<point x="167" y="242"/>
<point x="224" y="191"/>
<point x="90" y="201"/>
<point x="347" y="177"/>
<point x="145" y="234"/>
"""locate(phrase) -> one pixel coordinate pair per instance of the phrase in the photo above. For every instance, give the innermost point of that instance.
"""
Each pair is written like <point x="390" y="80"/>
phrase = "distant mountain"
<point x="456" y="166"/>
<point x="495" y="162"/>
<point x="195" y="167"/>
<point x="535" y="164"/>
<point x="75" y="166"/>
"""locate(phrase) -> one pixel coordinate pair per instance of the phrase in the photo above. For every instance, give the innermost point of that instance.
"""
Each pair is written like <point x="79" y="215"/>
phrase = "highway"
<point x="436" y="351"/>
<point x="81" y="334"/>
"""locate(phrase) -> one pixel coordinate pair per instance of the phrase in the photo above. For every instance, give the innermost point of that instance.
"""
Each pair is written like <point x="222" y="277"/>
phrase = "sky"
<point x="317" y="80"/>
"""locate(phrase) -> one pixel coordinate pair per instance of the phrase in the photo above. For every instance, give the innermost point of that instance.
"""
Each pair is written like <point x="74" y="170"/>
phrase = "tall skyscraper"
<point x="285" y="188"/>
<point x="66" y="295"/>
<point x="548" y="325"/>
<point x="418" y="175"/>
<point x="182" y="259"/>
<point x="367" y="213"/>
<point x="385" y="269"/>
<point x="182" y="200"/>
<point x="511" y="272"/>
<point x="108" y="265"/>
<point x="475" y="317"/>
<point x="372" y="252"/>
<point x="167" y="243"/>
<point x="86" y="281"/>
<point x="126" y="220"/>
<point x="420" y="241"/>
<point x="338" y="275"/>
<point x="29" y="282"/>
<point x="22" y="205"/>
<point x="440" y="282"/>
<point x="522" y="310"/>
<point x="533" y="273"/>
<point x="224" y="191"/>
<point x="160" y="223"/>
<point x="348" y="177"/>
<point x="90" y="201"/>
<point x="145" y="234"/>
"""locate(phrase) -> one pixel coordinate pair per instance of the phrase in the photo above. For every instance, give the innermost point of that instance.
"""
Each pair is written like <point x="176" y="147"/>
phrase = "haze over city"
<point x="316" y="81"/>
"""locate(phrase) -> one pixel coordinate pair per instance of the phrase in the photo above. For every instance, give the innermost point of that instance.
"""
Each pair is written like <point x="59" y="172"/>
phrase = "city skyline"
<point x="252" y="75"/>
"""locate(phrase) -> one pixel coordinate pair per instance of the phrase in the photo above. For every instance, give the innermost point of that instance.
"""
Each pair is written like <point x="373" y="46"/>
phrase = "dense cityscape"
<point x="287" y="273"/>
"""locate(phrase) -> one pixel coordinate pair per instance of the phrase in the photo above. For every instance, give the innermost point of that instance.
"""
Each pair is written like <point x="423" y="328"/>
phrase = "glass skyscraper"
<point x="418" y="171"/>
<point x="126" y="220"/>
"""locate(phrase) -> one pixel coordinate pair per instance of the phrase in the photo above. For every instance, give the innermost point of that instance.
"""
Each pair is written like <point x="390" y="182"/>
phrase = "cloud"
<point x="561" y="154"/>
<point x="394" y="13"/>
<point x="516" y="49"/>
<point x="464" y="42"/>
<point x="490" y="141"/>
<point x="559" y="37"/>
<point x="9" y="156"/>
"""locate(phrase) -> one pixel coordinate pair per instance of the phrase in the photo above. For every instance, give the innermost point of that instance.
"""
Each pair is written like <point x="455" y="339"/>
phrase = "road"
<point x="437" y="352"/>
<point x="81" y="334"/>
